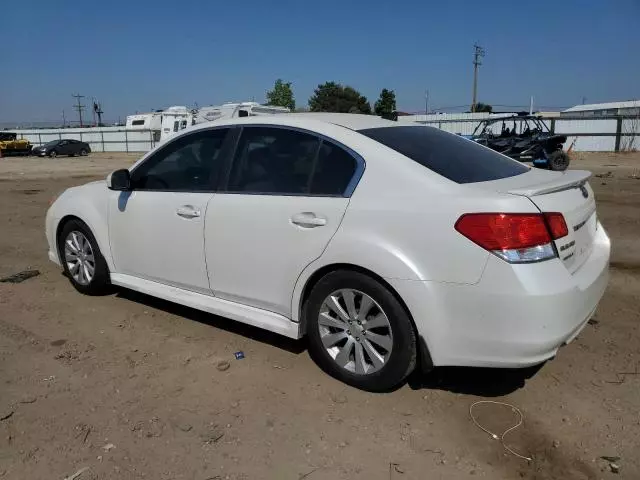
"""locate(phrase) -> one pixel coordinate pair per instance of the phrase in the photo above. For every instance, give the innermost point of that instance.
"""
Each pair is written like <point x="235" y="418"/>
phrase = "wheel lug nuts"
<point x="357" y="339"/>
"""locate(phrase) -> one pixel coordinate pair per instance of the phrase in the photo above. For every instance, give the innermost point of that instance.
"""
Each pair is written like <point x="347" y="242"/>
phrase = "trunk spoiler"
<point x="566" y="181"/>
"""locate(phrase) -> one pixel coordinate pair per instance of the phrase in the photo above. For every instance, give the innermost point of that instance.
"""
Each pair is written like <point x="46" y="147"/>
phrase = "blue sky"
<point x="141" y="55"/>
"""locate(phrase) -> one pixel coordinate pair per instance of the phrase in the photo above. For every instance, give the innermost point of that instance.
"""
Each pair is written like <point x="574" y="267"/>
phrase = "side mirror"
<point x="119" y="180"/>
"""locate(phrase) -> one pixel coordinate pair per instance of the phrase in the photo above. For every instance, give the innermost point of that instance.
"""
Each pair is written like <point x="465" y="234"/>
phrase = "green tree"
<point x="483" y="107"/>
<point x="386" y="104"/>
<point x="333" y="97"/>
<point x="281" y="95"/>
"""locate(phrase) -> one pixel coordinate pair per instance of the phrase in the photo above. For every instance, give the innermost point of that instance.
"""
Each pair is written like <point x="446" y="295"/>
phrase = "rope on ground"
<point x="508" y="430"/>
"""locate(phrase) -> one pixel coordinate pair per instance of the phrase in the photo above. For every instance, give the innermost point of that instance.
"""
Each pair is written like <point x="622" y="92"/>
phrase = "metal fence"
<point x="100" y="139"/>
<point x="604" y="134"/>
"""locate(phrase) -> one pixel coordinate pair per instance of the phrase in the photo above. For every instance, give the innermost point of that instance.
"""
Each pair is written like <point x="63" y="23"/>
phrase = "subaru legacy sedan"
<point x="390" y="245"/>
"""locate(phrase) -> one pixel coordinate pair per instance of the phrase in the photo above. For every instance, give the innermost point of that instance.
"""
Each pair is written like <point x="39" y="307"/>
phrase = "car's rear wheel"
<point x="83" y="263"/>
<point x="559" y="161"/>
<point x="53" y="154"/>
<point x="83" y="152"/>
<point x="359" y="332"/>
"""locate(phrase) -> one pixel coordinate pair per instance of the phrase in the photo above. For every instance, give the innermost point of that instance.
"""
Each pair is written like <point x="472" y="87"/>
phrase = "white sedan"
<point x="388" y="245"/>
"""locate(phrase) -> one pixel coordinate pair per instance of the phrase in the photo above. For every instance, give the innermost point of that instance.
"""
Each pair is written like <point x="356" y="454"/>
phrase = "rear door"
<point x="285" y="198"/>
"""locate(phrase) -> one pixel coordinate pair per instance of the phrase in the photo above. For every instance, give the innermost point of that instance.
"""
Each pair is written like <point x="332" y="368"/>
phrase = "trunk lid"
<point x="566" y="192"/>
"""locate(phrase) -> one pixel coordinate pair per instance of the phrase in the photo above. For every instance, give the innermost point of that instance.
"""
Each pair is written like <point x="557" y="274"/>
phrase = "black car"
<point x="62" y="147"/>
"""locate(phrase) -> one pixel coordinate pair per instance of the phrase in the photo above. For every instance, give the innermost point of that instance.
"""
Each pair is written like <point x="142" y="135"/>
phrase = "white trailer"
<point x="167" y="122"/>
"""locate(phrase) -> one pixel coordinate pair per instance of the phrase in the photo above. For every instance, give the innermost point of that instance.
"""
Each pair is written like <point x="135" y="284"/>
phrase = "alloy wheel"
<point x="355" y="331"/>
<point x="79" y="257"/>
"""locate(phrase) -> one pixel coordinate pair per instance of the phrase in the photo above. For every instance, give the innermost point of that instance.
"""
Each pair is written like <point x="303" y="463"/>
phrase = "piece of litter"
<point x="108" y="446"/>
<point x="223" y="365"/>
<point x="514" y="409"/>
<point x="77" y="474"/>
<point x="239" y="355"/>
<point x="28" y="399"/>
<point x="615" y="468"/>
<point x="610" y="459"/>
<point x="20" y="276"/>
<point x="6" y="415"/>
<point x="593" y="322"/>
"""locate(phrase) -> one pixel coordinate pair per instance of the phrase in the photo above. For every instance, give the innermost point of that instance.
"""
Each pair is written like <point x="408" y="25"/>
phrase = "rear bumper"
<point x="515" y="316"/>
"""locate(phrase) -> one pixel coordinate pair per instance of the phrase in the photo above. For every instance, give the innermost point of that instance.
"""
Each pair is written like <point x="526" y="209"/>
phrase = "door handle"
<point x="188" y="211"/>
<point x="308" y="220"/>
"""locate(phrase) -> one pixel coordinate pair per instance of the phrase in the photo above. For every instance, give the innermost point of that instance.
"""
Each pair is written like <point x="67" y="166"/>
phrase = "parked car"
<point x="525" y="138"/>
<point x="388" y="245"/>
<point x="62" y="147"/>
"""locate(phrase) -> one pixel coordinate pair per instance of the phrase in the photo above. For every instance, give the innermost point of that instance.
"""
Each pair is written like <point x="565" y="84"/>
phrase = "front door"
<point x="286" y="195"/>
<point x="64" y="148"/>
<point x="157" y="229"/>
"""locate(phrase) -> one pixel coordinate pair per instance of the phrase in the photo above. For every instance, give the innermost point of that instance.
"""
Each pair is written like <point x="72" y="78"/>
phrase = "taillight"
<point x="514" y="237"/>
<point x="557" y="225"/>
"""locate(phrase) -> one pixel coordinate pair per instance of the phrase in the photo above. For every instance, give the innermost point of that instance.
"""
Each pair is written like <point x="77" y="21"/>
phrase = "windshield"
<point x="51" y="143"/>
<point x="449" y="155"/>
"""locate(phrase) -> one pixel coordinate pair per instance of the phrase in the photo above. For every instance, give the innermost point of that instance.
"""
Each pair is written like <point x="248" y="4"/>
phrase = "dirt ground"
<point x="127" y="387"/>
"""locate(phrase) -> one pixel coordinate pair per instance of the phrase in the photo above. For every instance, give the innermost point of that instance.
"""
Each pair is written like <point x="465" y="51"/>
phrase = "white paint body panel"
<point x="255" y="253"/>
<point x="243" y="259"/>
<point x="151" y="241"/>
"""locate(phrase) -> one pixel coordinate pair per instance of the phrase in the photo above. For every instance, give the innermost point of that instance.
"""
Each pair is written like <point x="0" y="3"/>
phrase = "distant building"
<point x="629" y="108"/>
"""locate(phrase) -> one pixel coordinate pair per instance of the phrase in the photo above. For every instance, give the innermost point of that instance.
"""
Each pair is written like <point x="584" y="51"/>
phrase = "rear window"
<point x="452" y="156"/>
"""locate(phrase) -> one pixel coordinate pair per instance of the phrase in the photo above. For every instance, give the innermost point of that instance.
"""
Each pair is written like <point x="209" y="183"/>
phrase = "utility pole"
<point x="477" y="54"/>
<point x="79" y="107"/>
<point x="531" y="106"/>
<point x="97" y="110"/>
<point x="64" y="120"/>
<point x="426" y="103"/>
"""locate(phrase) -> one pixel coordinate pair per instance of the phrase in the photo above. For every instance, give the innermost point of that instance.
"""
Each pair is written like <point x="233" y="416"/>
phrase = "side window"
<point x="273" y="161"/>
<point x="191" y="163"/>
<point x="334" y="170"/>
<point x="176" y="126"/>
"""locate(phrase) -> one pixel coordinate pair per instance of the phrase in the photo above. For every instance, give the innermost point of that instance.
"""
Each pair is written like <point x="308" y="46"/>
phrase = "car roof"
<point x="351" y="121"/>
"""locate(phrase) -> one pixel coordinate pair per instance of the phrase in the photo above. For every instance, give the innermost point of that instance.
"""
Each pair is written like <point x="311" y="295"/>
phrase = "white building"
<point x="628" y="108"/>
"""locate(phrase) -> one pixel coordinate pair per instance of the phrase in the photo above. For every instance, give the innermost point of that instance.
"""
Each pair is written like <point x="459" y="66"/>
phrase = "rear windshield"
<point x="452" y="156"/>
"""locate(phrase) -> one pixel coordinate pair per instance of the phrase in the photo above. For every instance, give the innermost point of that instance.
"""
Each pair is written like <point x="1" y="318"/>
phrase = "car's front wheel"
<point x="83" y="263"/>
<point x="359" y="332"/>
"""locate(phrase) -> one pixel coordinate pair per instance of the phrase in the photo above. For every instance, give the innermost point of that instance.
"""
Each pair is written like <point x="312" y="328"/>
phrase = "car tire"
<point x="384" y="362"/>
<point x="91" y="273"/>
<point x="83" y="153"/>
<point x="559" y="161"/>
<point x="53" y="154"/>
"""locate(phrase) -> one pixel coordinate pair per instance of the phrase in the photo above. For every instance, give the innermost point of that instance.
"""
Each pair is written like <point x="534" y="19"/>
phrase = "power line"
<point x="79" y="107"/>
<point x="477" y="54"/>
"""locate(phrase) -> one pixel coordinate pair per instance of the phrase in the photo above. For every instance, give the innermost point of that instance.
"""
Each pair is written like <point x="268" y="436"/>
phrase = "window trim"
<point x="348" y="192"/>
<point x="227" y="144"/>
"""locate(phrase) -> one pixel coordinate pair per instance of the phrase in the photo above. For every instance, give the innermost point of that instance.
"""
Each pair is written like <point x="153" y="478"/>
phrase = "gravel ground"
<point x="127" y="387"/>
